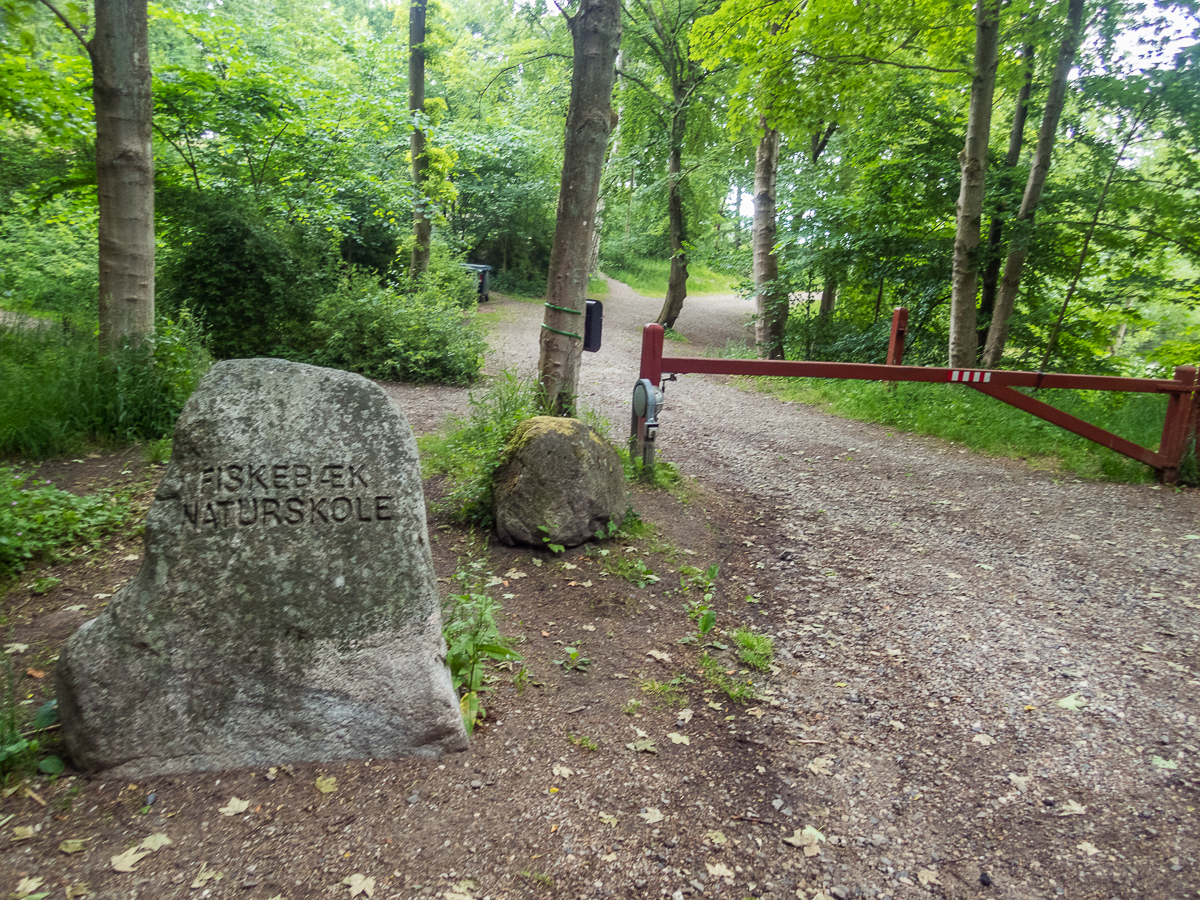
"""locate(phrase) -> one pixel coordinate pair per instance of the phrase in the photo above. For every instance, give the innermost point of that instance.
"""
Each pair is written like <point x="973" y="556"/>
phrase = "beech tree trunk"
<point x="1014" y="265"/>
<point x="973" y="165"/>
<point x="677" y="285"/>
<point x="771" y="308"/>
<point x="828" y="297"/>
<point x="422" y="225"/>
<point x="1016" y="139"/>
<point x="595" y="36"/>
<point x="124" y="170"/>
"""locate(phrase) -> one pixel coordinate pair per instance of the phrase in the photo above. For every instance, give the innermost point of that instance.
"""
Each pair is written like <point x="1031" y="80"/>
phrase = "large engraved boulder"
<point x="560" y="483"/>
<point x="286" y="608"/>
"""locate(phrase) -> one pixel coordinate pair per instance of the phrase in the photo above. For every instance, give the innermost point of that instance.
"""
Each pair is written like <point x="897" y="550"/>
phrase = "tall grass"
<point x="59" y="392"/>
<point x="650" y="277"/>
<point x="958" y="413"/>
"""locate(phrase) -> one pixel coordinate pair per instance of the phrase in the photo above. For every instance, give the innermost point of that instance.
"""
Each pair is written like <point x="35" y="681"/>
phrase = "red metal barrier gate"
<point x="1179" y="427"/>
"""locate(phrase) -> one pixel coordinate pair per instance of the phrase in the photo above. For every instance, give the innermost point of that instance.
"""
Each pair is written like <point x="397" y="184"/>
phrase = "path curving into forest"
<point x="940" y="604"/>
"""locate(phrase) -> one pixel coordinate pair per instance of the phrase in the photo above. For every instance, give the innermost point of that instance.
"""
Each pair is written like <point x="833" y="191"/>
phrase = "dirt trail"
<point x="985" y="685"/>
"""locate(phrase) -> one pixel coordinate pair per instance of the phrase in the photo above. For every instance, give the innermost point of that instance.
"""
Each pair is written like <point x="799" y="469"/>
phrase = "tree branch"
<point x="75" y="31"/>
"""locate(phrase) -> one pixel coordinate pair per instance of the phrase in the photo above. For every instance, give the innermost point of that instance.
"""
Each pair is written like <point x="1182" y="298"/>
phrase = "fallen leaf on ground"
<point x="327" y="784"/>
<point x="1162" y="763"/>
<point x="79" y="889"/>
<point x="155" y="842"/>
<point x="513" y="573"/>
<point x="205" y="875"/>
<point x="643" y="746"/>
<point x="1089" y="848"/>
<point x="756" y="712"/>
<point x="679" y="738"/>
<point x="717" y="837"/>
<point x="897" y="724"/>
<point x="719" y="870"/>
<point x="73" y="845"/>
<point x="1074" y="703"/>
<point x="234" y="806"/>
<point x="685" y="716"/>
<point x="25" y="832"/>
<point x="659" y="655"/>
<point x="124" y="862"/>
<point x="1020" y="782"/>
<point x="927" y="876"/>
<point x="568" y="565"/>
<point x="1072" y="808"/>
<point x="609" y="857"/>
<point x="651" y="815"/>
<point x="35" y="673"/>
<point x="16" y="648"/>
<point x="360" y="884"/>
<point x="986" y="739"/>
<point x="807" y="839"/>
<point x="608" y="819"/>
<point x="27" y="886"/>
<point x="820" y="766"/>
<point x="588" y="627"/>
<point x="562" y="771"/>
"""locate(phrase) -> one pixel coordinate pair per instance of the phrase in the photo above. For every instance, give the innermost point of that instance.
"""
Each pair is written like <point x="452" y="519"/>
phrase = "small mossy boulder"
<point x="560" y="483"/>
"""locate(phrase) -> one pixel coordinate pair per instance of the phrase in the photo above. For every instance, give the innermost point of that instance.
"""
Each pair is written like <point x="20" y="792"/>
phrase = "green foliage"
<point x="754" y="649"/>
<point x="471" y="450"/>
<point x="700" y="611"/>
<point x="18" y="750"/>
<point x="473" y="640"/>
<point x="573" y="659"/>
<point x="59" y="391"/>
<point x="251" y="283"/>
<point x="48" y="259"/>
<point x="635" y="571"/>
<point x="418" y="335"/>
<point x="666" y="693"/>
<point x="40" y="521"/>
<point x="649" y="276"/>
<point x="584" y="742"/>
<point x="958" y="413"/>
<point x="664" y="477"/>
<point x="714" y="672"/>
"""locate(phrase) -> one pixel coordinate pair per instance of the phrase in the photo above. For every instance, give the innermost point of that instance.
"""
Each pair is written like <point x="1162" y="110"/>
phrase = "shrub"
<point x="472" y="449"/>
<point x="41" y="520"/>
<point x="61" y="392"/>
<point x="422" y="336"/>
<point x="48" y="259"/>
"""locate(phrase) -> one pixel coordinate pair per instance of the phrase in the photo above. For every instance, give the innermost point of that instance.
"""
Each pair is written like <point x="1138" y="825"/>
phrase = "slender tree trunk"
<point x="973" y="165"/>
<point x="124" y="170"/>
<point x="677" y="285"/>
<point x="771" y="308"/>
<point x="1016" y="139"/>
<point x="595" y="35"/>
<point x="1017" y="252"/>
<point x="737" y="220"/>
<point x="422" y="225"/>
<point x="828" y="297"/>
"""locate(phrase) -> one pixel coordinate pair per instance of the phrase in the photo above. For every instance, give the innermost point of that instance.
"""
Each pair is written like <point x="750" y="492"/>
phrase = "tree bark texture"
<point x="677" y="227"/>
<point x="422" y="224"/>
<point x="973" y="166"/>
<point x="828" y="297"/>
<point x="1016" y="140"/>
<point x="1014" y="265"/>
<point x="595" y="35"/>
<point x="124" y="170"/>
<point x="770" y="306"/>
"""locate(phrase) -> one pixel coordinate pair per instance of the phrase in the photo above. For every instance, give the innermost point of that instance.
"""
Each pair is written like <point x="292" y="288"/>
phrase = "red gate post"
<point x="651" y="370"/>
<point x="895" y="354"/>
<point x="1176" y="424"/>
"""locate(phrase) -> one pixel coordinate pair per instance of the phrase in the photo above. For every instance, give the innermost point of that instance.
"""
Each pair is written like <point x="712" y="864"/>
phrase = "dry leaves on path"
<point x="651" y="816"/>
<point x="1073" y="808"/>
<point x="360" y="884"/>
<point x="327" y="784"/>
<point x="234" y="806"/>
<point x="821" y="766"/>
<point x="807" y="839"/>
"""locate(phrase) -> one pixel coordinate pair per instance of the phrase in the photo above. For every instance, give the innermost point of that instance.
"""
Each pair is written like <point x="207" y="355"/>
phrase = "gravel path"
<point x="1001" y="660"/>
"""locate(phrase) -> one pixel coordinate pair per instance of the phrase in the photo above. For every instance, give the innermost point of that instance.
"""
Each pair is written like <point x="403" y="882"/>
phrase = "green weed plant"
<point x="754" y="649"/>
<point x="41" y="522"/>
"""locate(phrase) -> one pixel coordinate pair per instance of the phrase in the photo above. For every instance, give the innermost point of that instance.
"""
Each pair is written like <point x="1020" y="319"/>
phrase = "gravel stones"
<point x="286" y="609"/>
<point x="560" y="483"/>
